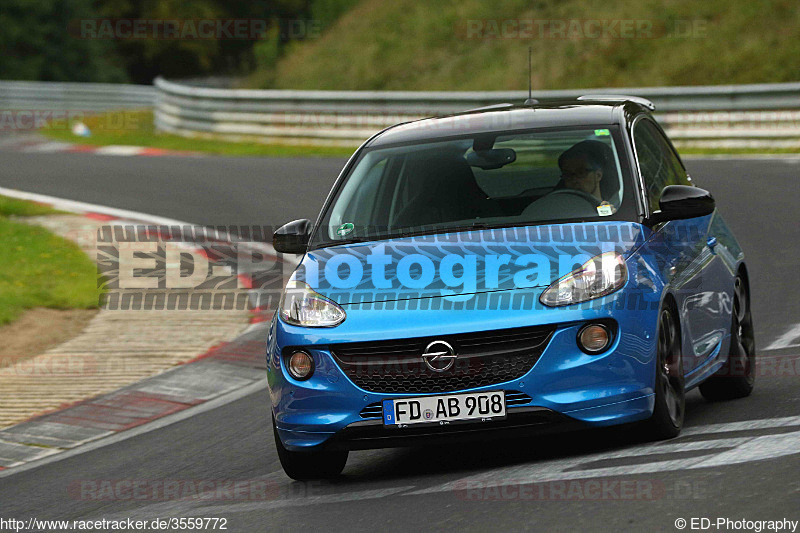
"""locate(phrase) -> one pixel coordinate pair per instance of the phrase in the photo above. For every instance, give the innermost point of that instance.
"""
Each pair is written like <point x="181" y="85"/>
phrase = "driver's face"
<point x="577" y="174"/>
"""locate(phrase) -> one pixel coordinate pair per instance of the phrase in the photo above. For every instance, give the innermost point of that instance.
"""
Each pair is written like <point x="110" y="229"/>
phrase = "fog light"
<point x="301" y="366"/>
<point x="594" y="338"/>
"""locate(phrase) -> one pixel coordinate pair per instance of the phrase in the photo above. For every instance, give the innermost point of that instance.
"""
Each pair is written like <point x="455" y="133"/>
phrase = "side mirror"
<point x="292" y="238"/>
<point x="683" y="201"/>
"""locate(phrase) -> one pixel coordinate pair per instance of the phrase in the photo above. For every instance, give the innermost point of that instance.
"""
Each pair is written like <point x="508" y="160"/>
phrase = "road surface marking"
<point x="787" y="340"/>
<point x="723" y="451"/>
<point x="731" y="451"/>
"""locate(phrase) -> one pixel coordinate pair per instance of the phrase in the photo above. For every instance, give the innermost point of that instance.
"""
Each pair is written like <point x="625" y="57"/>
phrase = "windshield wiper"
<point x="473" y="226"/>
<point x="352" y="240"/>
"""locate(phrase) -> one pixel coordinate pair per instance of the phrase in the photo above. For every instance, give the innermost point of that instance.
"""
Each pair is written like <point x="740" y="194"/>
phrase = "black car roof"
<point x="507" y="118"/>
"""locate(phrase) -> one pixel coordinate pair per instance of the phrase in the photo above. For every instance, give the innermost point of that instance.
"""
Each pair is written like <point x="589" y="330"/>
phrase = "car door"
<point x="684" y="249"/>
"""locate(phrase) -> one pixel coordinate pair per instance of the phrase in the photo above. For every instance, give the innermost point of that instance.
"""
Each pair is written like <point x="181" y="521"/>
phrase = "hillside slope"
<point x="480" y="45"/>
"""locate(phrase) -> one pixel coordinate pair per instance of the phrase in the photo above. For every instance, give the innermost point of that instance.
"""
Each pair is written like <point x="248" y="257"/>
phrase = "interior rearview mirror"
<point x="491" y="159"/>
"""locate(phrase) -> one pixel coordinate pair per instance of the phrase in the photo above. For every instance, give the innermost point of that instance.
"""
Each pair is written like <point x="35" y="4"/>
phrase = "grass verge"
<point x="135" y="128"/>
<point x="40" y="269"/>
<point x="12" y="207"/>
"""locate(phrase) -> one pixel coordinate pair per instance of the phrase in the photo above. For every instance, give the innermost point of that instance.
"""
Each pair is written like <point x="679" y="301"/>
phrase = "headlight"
<point x="599" y="276"/>
<point x="302" y="306"/>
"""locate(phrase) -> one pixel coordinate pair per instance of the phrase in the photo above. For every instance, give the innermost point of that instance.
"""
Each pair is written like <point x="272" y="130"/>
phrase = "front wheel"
<point x="737" y="376"/>
<point x="305" y="466"/>
<point x="670" y="402"/>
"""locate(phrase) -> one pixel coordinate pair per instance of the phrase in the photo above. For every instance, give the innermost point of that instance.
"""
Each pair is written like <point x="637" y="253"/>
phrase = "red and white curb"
<point x="224" y="373"/>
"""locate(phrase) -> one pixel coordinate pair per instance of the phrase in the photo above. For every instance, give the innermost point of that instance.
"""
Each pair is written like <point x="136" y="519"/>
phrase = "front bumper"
<point x="566" y="386"/>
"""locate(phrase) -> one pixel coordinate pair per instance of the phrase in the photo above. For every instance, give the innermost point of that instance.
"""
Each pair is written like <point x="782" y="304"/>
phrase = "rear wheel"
<point x="667" y="419"/>
<point x="737" y="377"/>
<point x="304" y="466"/>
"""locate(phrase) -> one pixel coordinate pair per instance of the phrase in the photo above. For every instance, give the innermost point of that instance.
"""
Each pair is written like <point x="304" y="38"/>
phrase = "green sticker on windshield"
<point x="345" y="229"/>
<point x="600" y="133"/>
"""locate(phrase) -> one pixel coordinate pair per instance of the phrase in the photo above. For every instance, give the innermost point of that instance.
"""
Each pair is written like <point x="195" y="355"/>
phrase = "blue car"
<point x="502" y="272"/>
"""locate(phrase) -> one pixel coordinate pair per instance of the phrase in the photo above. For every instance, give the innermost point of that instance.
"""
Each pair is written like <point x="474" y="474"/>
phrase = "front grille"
<point x="513" y="398"/>
<point x="484" y="358"/>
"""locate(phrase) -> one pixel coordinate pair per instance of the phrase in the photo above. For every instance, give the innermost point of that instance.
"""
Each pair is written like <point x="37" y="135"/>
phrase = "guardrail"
<point x="764" y="115"/>
<point x="726" y="116"/>
<point x="74" y="97"/>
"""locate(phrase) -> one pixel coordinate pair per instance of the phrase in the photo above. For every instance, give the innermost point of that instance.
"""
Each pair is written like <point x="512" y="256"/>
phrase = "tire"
<point x="670" y="401"/>
<point x="736" y="378"/>
<point x="305" y="466"/>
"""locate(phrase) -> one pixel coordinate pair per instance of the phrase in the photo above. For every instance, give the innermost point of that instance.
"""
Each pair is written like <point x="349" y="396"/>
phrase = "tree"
<point x="37" y="43"/>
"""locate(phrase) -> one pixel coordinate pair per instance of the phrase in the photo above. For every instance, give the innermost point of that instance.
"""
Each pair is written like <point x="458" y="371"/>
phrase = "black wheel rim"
<point x="740" y="304"/>
<point x="742" y="333"/>
<point x="669" y="367"/>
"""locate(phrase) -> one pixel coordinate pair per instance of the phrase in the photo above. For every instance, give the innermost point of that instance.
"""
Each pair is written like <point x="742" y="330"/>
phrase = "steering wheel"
<point x="580" y="194"/>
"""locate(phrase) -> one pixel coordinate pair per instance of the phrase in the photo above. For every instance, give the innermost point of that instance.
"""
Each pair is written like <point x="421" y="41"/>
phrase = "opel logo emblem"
<point x="439" y="356"/>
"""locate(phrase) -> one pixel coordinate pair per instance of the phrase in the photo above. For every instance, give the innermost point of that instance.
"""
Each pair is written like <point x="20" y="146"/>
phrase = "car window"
<point x="657" y="161"/>
<point x="532" y="158"/>
<point x="360" y="210"/>
<point x="490" y="179"/>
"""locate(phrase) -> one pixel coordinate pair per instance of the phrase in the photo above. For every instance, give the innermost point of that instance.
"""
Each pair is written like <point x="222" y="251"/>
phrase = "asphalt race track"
<point x="737" y="460"/>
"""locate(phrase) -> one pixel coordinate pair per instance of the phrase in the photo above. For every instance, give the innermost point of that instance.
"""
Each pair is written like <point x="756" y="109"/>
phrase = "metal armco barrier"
<point x="729" y="116"/>
<point x="73" y="97"/>
<point x="723" y="116"/>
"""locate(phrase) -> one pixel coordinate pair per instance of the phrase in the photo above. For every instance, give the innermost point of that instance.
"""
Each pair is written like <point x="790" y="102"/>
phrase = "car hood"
<point x="460" y="264"/>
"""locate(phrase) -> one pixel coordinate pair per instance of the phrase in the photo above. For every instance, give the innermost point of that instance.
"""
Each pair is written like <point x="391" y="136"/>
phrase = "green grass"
<point x="21" y="208"/>
<point x="450" y="45"/>
<point x="135" y="128"/>
<point x="40" y="269"/>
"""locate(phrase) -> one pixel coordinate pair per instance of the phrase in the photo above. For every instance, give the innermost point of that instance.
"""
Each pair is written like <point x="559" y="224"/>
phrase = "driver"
<point x="582" y="167"/>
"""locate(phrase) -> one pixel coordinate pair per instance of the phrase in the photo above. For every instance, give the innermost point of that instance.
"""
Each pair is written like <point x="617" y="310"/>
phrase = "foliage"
<point x="45" y="39"/>
<point x="411" y="45"/>
<point x="37" y="44"/>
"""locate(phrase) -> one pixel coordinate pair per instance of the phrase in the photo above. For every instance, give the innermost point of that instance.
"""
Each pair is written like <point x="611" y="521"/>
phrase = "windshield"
<point x="489" y="180"/>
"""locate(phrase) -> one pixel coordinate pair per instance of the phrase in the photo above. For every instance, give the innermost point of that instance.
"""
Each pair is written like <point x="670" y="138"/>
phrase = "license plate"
<point x="476" y="406"/>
